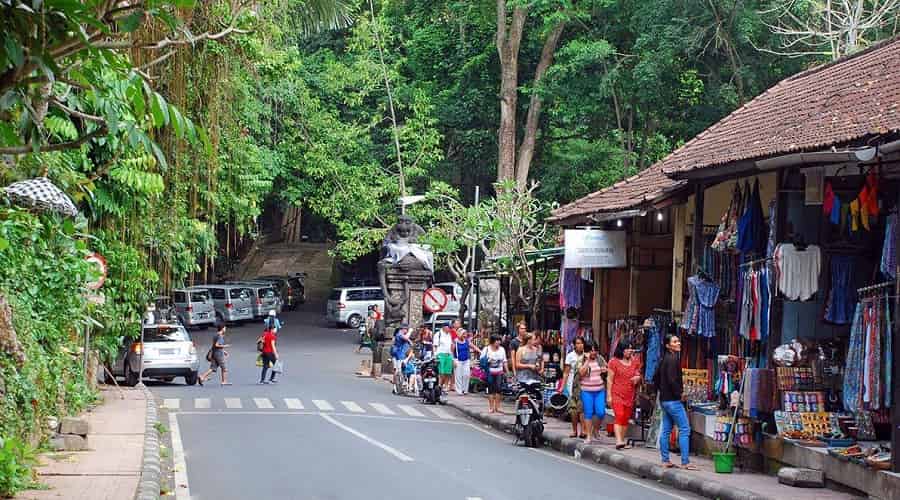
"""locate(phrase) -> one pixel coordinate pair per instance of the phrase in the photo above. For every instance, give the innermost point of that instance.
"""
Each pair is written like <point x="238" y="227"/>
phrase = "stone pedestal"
<point x="406" y="287"/>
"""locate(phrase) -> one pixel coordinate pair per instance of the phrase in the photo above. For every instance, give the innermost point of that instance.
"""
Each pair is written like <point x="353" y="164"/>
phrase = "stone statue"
<point x="403" y="262"/>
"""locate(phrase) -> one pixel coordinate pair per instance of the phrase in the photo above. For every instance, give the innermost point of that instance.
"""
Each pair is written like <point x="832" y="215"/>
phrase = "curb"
<point x="151" y="475"/>
<point x="642" y="468"/>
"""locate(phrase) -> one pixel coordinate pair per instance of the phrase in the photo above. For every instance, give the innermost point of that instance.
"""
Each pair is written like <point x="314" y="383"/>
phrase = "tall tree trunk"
<point x="508" y="40"/>
<point x="526" y="151"/>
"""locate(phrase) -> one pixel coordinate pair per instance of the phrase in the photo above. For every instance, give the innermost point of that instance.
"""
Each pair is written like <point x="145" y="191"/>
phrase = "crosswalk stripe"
<point x="172" y="404"/>
<point x="263" y="403"/>
<point x="323" y="405"/>
<point x="442" y="413"/>
<point x="353" y="407"/>
<point x="233" y="403"/>
<point x="383" y="409"/>
<point x="201" y="403"/>
<point x="409" y="410"/>
<point x="293" y="403"/>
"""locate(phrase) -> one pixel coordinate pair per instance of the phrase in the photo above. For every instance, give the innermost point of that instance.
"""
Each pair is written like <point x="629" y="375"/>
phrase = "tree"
<point x="833" y="28"/>
<point x="513" y="163"/>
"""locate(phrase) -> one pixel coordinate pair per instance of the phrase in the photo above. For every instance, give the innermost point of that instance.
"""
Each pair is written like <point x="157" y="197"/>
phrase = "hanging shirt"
<point x="707" y="294"/>
<point x="798" y="271"/>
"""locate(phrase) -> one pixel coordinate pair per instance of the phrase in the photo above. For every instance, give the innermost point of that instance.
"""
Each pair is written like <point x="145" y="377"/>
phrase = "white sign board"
<point x="587" y="248"/>
<point x="434" y="300"/>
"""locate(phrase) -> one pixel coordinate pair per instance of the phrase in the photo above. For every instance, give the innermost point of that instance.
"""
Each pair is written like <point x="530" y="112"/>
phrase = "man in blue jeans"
<point x="671" y="389"/>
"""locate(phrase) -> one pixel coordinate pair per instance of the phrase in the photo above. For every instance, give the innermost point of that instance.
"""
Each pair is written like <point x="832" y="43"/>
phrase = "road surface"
<point x="323" y="433"/>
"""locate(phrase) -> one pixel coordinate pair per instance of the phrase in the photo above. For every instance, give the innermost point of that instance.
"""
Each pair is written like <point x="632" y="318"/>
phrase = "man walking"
<point x="398" y="353"/>
<point x="217" y="356"/>
<point x="273" y="323"/>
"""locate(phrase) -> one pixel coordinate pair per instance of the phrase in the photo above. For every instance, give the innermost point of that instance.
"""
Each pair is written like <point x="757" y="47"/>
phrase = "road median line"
<point x="374" y="442"/>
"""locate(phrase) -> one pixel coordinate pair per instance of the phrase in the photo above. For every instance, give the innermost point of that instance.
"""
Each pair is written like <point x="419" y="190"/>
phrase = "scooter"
<point x="431" y="389"/>
<point x="530" y="414"/>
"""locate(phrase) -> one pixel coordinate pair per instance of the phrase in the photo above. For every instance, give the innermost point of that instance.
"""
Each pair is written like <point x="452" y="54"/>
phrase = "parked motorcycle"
<point x="530" y="414"/>
<point x="431" y="389"/>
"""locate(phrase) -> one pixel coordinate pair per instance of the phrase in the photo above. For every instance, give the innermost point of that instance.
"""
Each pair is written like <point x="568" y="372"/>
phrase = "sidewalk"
<point x="111" y="468"/>
<point x="645" y="462"/>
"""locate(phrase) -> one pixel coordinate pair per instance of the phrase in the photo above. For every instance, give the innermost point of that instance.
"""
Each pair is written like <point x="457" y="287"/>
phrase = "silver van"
<point x="350" y="305"/>
<point x="232" y="302"/>
<point x="263" y="297"/>
<point x="194" y="307"/>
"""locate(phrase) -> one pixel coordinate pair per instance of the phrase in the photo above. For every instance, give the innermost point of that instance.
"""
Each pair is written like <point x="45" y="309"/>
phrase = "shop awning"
<point x="630" y="197"/>
<point x="846" y="103"/>
<point x="501" y="265"/>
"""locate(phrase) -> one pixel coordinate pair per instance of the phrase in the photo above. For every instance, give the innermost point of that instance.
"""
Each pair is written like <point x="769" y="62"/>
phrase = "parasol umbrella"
<point x="41" y="194"/>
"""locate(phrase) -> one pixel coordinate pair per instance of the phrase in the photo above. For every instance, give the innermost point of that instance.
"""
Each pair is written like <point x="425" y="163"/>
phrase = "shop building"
<point x="783" y="274"/>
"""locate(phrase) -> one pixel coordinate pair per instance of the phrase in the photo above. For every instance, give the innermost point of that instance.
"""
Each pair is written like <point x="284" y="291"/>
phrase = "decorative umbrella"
<point x="41" y="194"/>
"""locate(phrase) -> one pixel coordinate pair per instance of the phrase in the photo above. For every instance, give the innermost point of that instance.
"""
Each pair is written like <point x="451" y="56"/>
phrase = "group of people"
<point x="267" y="345"/>
<point x="593" y="385"/>
<point x="452" y="346"/>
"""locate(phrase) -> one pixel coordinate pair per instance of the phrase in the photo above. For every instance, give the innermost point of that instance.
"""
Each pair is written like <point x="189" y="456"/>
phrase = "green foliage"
<point x="16" y="462"/>
<point x="49" y="314"/>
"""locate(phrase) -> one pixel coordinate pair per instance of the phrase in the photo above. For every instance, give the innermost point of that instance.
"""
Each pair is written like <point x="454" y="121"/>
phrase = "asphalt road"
<point x="323" y="433"/>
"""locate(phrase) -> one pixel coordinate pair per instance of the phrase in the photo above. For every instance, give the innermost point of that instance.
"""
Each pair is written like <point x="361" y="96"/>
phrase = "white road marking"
<point x="393" y="451"/>
<point x="201" y="403"/>
<point x="182" y="490"/>
<point x="172" y="404"/>
<point x="263" y="403"/>
<point x="261" y="413"/>
<point x="293" y="403"/>
<point x="409" y="410"/>
<point x="382" y="408"/>
<point x="353" y="407"/>
<point x="441" y="413"/>
<point x="323" y="405"/>
<point x="233" y="403"/>
<point x="473" y="498"/>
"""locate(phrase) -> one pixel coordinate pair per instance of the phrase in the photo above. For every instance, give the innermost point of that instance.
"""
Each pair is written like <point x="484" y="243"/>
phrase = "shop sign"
<point x="586" y="248"/>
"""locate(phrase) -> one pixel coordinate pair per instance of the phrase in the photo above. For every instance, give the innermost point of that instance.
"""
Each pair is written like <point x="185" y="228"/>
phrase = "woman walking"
<point x="671" y="394"/>
<point x="495" y="356"/>
<point x="462" y="354"/>
<point x="622" y="380"/>
<point x="217" y="356"/>
<point x="527" y="360"/>
<point x="269" y="355"/>
<point x="593" y="395"/>
<point x="574" y="360"/>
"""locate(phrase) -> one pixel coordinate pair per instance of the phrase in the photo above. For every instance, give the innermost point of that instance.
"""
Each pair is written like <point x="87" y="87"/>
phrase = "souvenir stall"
<point x="788" y="318"/>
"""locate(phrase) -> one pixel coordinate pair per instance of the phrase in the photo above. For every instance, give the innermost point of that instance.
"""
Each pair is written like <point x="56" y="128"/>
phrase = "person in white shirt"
<point x="495" y="356"/>
<point x="443" y="346"/>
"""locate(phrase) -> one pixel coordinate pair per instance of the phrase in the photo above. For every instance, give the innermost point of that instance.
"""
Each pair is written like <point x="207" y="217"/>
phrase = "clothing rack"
<point x="756" y="261"/>
<point x="874" y="287"/>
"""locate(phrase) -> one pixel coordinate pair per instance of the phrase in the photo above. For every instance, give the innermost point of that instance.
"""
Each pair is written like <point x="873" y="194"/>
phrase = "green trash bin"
<point x="723" y="462"/>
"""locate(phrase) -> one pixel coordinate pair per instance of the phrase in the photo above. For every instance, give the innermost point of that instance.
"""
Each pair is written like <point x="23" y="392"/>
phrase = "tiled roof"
<point x="635" y="192"/>
<point x="833" y="104"/>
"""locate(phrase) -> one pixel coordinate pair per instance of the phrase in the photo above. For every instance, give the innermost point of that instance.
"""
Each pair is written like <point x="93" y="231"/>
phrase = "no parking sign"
<point x="435" y="300"/>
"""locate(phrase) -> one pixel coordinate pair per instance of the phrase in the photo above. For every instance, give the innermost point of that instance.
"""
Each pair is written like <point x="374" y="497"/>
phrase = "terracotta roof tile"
<point x="832" y="104"/>
<point x="632" y="193"/>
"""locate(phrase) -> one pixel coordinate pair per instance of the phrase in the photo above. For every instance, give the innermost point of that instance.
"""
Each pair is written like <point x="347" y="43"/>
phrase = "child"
<point x="410" y="373"/>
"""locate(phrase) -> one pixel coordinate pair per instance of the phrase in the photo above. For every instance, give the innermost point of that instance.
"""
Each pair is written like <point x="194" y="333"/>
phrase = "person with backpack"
<point x="272" y="322"/>
<point x="398" y="352"/>
<point x="217" y="356"/>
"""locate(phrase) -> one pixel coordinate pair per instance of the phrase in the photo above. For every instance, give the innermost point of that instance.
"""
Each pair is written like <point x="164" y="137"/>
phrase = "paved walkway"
<point x="111" y="468"/>
<point x="642" y="460"/>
